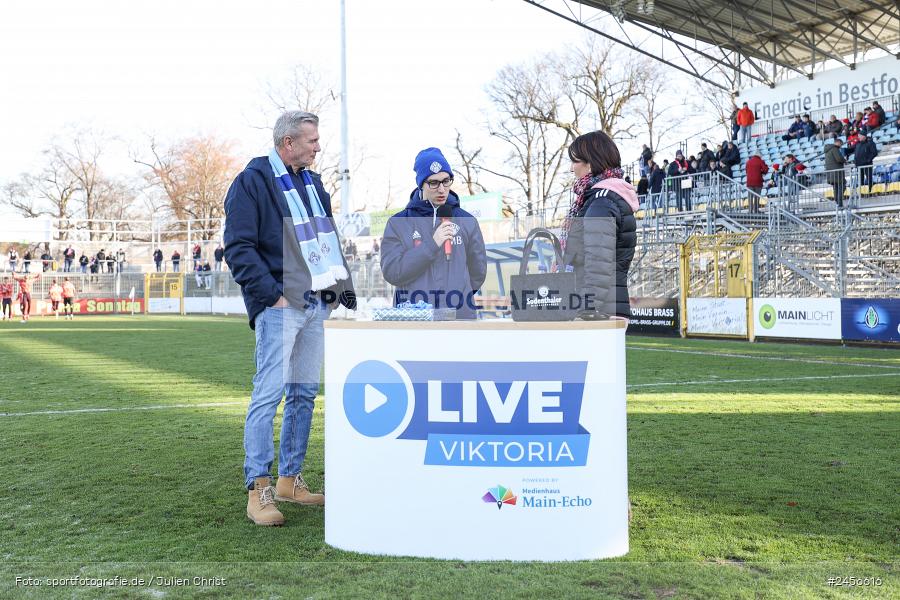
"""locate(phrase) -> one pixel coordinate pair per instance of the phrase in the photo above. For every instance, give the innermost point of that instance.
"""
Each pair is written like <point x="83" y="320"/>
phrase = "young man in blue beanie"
<point x="415" y="254"/>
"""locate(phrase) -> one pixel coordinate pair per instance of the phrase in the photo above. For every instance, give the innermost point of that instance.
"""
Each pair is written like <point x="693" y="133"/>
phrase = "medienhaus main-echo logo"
<point x="479" y="414"/>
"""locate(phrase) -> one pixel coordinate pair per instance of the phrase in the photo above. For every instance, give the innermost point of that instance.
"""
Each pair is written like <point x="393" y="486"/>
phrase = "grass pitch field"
<point x="755" y="471"/>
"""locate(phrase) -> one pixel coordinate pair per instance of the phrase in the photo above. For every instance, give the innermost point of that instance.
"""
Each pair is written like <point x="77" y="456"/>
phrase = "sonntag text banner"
<point x="717" y="316"/>
<point x="870" y="319"/>
<point x="801" y="318"/>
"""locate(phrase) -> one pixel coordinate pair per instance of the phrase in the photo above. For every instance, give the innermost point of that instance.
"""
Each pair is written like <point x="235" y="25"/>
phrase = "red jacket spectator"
<point x="756" y="168"/>
<point x="745" y="117"/>
<point x="872" y="120"/>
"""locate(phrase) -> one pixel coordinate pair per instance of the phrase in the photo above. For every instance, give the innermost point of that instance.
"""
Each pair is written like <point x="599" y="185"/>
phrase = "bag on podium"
<point x="542" y="296"/>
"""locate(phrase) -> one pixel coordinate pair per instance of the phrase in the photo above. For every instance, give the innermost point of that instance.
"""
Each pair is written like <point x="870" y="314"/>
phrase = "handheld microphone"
<point x="445" y="213"/>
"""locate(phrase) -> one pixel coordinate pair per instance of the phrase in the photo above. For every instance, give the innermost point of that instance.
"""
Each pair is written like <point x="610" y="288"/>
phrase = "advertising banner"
<point x="484" y="207"/>
<point x="499" y="447"/>
<point x="870" y="79"/>
<point x="717" y="316"/>
<point x="657" y="316"/>
<point x="806" y="318"/>
<point x="870" y="319"/>
<point x="86" y="306"/>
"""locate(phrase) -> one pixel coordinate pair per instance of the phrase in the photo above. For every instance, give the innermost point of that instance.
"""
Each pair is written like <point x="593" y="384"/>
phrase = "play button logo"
<point x="376" y="398"/>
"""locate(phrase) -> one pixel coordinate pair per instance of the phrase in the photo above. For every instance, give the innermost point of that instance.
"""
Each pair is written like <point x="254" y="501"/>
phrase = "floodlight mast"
<point x="346" y="201"/>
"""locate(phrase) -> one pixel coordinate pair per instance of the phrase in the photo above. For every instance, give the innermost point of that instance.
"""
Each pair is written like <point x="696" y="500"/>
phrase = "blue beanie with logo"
<point x="430" y="161"/>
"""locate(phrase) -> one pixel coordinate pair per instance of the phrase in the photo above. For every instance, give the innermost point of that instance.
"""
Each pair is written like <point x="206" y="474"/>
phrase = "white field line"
<point x="761" y="379"/>
<point x="812" y="361"/>
<point x="76" y="411"/>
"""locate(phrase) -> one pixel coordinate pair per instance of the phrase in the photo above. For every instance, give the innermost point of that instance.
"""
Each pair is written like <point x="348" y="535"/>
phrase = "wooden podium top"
<point x="485" y="325"/>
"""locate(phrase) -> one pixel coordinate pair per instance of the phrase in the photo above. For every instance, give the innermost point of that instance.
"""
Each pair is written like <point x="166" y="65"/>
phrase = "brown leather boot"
<point x="292" y="488"/>
<point x="261" y="507"/>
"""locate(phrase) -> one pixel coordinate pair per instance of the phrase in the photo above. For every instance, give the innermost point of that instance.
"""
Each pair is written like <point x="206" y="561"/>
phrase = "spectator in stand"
<point x="110" y="263"/>
<point x="198" y="274"/>
<point x="83" y="262"/>
<point x="732" y="156"/>
<point x="656" y="179"/>
<point x="863" y="156"/>
<point x="219" y="255"/>
<point x="859" y="122"/>
<point x="882" y="117"/>
<point x="852" y="140"/>
<point x="795" y="131"/>
<point x="846" y="125"/>
<point x="13" y="256"/>
<point x="46" y="261"/>
<point x="677" y="170"/>
<point x="745" y="119"/>
<point x="157" y="259"/>
<point x="665" y="165"/>
<point x="120" y="260"/>
<point x="101" y="260"/>
<point x="207" y="277"/>
<point x="820" y="130"/>
<point x="706" y="155"/>
<point x="809" y="128"/>
<point x="68" y="296"/>
<point x="6" y="293"/>
<point x="198" y="254"/>
<point x="643" y="186"/>
<point x="735" y="128"/>
<point x="68" y="258"/>
<point x="833" y="128"/>
<point x="95" y="268"/>
<point x="376" y="248"/>
<point x="176" y="261"/>
<point x="645" y="158"/>
<point x="55" y="294"/>
<point x="26" y="261"/>
<point x="834" y="169"/>
<point x="756" y="169"/>
<point x="791" y="171"/>
<point x="723" y="169"/>
<point x="872" y="122"/>
<point x="720" y="152"/>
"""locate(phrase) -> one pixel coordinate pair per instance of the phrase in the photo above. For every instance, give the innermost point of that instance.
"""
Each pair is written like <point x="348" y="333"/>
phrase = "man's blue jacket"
<point x="257" y="224"/>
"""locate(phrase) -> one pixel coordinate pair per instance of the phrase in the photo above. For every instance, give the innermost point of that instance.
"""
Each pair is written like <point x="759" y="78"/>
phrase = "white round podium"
<point x="476" y="440"/>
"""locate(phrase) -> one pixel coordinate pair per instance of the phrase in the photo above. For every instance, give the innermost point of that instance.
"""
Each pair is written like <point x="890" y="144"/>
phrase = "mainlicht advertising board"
<point x="717" y="316"/>
<point x="800" y="318"/>
<point x="870" y="319"/>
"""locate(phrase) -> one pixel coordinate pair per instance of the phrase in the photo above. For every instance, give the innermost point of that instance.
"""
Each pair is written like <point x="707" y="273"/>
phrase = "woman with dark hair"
<point x="598" y="235"/>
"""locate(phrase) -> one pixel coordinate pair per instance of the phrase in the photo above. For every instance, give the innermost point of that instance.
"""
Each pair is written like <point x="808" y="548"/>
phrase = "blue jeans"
<point x="290" y="347"/>
<point x="745" y="135"/>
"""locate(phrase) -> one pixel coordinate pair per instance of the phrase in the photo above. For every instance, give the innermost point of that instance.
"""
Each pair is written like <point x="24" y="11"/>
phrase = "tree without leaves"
<point x="609" y="83"/>
<point x="658" y="111"/>
<point x="194" y="174"/>
<point x="468" y="176"/>
<point x="527" y="99"/>
<point x="307" y="89"/>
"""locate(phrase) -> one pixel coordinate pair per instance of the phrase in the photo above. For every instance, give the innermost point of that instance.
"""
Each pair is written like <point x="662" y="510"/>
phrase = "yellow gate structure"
<point x="717" y="284"/>
<point x="164" y="293"/>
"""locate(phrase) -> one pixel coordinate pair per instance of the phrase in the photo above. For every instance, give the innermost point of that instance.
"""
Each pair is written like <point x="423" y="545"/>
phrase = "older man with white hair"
<point x="283" y="250"/>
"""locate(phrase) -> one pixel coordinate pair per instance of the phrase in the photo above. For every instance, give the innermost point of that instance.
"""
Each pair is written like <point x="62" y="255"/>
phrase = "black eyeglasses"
<point x="433" y="185"/>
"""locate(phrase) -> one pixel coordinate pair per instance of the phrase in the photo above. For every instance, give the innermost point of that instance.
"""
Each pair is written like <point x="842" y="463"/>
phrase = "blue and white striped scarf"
<point x="316" y="237"/>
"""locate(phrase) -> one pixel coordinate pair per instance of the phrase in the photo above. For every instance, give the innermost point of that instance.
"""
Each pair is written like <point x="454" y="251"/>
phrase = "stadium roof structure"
<point x="749" y="41"/>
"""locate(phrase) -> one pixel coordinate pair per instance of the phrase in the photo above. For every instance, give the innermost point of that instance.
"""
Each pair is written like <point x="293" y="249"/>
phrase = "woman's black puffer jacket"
<point x="600" y="247"/>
